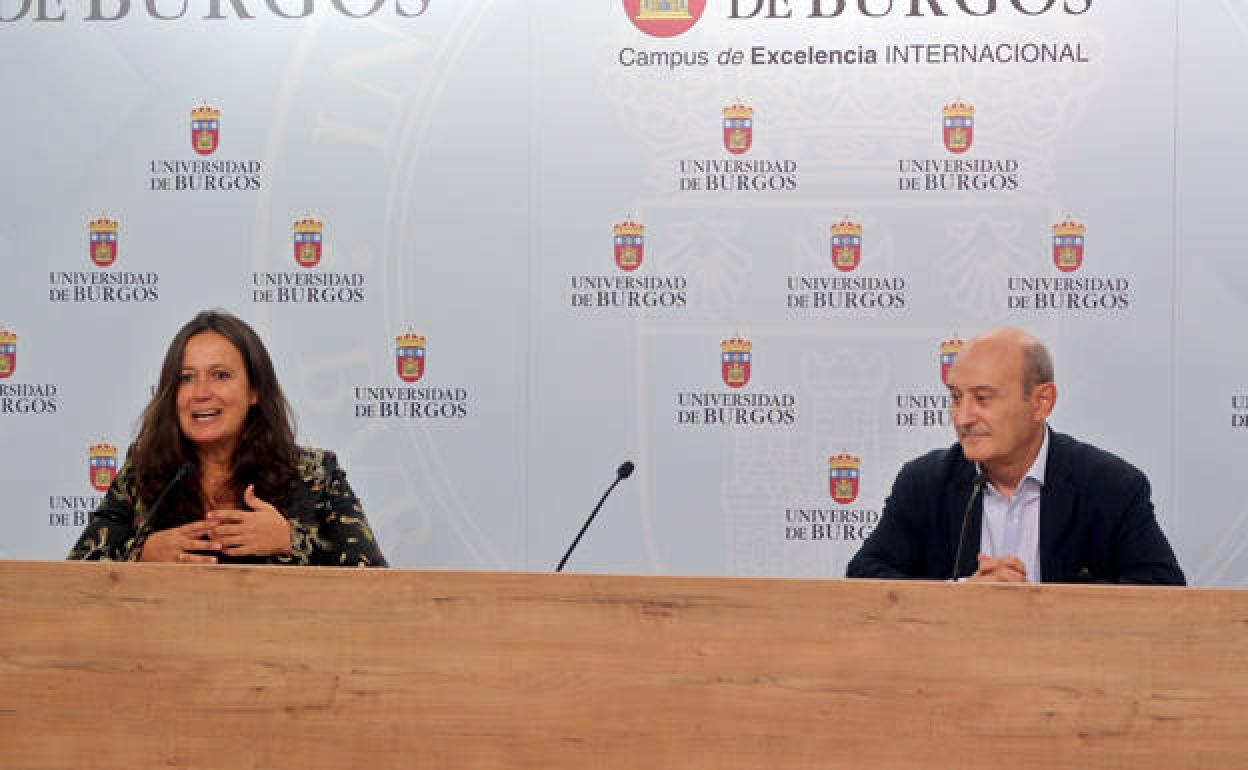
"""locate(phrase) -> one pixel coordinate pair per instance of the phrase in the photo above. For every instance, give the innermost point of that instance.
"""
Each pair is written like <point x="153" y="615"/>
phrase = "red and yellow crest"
<point x="735" y="358"/>
<point x="308" y="233"/>
<point x="1068" y="245"/>
<point x="205" y="129"/>
<point x="949" y="350"/>
<point x="846" y="245"/>
<point x="102" y="241"/>
<point x="8" y="353"/>
<point x="959" y="127"/>
<point x="664" y="18"/>
<point x="630" y="245"/>
<point x="843" y="473"/>
<point x="738" y="128"/>
<point x="409" y="356"/>
<point x="102" y="465"/>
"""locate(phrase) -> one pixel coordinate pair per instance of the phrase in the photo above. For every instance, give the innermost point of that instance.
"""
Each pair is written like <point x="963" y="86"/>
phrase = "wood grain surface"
<point x="133" y="666"/>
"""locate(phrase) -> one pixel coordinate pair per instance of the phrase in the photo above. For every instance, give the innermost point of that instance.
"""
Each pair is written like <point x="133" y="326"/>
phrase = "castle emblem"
<point x="664" y="18"/>
<point x="1068" y="245"/>
<point x="843" y="474"/>
<point x="846" y="245"/>
<point x="630" y="245"/>
<point x="738" y="128"/>
<point x="307" y="241"/>
<point x="959" y="127"/>
<point x="8" y="354"/>
<point x="409" y="356"/>
<point x="205" y="129"/>
<point x="735" y="359"/>
<point x="949" y="350"/>
<point x="102" y="465"/>
<point x="102" y="241"/>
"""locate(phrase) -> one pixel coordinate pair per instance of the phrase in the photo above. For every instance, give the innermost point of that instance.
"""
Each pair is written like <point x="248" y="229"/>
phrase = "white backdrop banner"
<point x="498" y="247"/>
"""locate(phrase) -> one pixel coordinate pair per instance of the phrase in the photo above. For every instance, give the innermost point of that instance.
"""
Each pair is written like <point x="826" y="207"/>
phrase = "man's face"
<point x="996" y="422"/>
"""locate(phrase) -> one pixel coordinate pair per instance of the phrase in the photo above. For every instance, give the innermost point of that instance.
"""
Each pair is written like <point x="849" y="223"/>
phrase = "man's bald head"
<point x="1034" y="362"/>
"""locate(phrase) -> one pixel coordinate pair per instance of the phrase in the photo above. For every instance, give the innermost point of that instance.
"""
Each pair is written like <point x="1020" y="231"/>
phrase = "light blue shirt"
<point x="1012" y="527"/>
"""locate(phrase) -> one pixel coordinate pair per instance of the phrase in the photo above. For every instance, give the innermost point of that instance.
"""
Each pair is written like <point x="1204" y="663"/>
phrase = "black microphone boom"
<point x="624" y="471"/>
<point x="183" y="471"/>
<point x="976" y="487"/>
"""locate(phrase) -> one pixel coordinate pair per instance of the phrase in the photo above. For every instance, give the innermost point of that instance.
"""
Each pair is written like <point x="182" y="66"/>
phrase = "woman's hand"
<point x="180" y="543"/>
<point x="261" y="531"/>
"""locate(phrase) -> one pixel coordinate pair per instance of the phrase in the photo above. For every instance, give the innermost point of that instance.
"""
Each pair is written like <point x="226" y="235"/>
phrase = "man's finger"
<point x="1015" y="565"/>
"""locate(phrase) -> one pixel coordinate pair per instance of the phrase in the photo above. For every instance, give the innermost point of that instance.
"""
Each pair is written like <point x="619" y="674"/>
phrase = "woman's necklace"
<point x="216" y="490"/>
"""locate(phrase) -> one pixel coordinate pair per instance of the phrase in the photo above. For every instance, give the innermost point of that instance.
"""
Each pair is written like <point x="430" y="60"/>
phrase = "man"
<point x="1038" y="505"/>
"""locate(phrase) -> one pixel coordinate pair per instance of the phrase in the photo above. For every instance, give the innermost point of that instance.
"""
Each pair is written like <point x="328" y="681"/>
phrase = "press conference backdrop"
<point x="497" y="248"/>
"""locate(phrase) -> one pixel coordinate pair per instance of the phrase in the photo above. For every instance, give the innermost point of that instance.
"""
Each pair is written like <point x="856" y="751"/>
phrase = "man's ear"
<point x="1043" y="399"/>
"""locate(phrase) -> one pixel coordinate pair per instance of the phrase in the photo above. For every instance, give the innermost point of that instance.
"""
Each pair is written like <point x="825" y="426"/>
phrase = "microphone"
<point x="624" y="471"/>
<point x="184" y="470"/>
<point x="976" y="487"/>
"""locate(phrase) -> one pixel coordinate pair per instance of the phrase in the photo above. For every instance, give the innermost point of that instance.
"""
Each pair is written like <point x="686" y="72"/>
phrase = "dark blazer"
<point x="1096" y="521"/>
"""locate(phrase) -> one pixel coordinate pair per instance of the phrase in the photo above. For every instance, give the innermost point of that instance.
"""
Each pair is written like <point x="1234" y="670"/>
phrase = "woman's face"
<point x="213" y="393"/>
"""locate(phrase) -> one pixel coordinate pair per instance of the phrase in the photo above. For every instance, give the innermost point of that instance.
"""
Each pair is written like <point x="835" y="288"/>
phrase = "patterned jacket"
<point x="327" y="524"/>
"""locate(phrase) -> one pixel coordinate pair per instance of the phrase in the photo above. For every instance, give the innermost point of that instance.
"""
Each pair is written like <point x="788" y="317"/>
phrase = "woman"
<point x="214" y="475"/>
